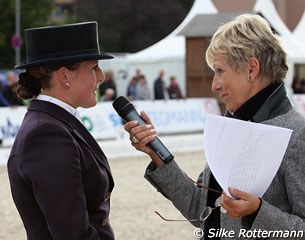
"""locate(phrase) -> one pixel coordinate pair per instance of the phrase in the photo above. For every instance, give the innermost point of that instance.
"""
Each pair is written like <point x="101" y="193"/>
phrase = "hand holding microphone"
<point x="141" y="131"/>
<point x="144" y="134"/>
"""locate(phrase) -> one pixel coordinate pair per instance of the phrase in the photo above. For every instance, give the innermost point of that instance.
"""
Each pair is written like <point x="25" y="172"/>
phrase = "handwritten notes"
<point x="244" y="155"/>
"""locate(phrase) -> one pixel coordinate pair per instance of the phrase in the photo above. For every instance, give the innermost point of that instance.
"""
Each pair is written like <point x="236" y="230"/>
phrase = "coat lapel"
<point x="76" y="127"/>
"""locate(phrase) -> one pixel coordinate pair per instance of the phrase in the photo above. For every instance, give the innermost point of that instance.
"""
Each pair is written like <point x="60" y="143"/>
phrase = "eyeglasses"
<point x="204" y="187"/>
<point x="206" y="211"/>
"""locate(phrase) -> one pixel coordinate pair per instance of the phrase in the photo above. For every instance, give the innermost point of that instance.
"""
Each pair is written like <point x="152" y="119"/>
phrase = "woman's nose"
<point x="216" y="85"/>
<point x="100" y="75"/>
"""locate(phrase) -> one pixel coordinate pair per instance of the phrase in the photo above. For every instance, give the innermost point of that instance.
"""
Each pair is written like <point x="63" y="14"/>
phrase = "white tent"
<point x="299" y="31"/>
<point x="299" y="34"/>
<point x="295" y="50"/>
<point x="167" y="54"/>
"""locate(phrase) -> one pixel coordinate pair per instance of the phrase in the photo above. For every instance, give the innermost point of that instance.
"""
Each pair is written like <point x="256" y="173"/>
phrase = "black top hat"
<point x="62" y="44"/>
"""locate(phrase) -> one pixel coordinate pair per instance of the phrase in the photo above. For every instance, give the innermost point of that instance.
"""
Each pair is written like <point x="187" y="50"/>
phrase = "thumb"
<point x="237" y="194"/>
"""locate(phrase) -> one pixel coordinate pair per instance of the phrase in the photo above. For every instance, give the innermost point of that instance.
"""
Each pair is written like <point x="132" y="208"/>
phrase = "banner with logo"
<point x="102" y="121"/>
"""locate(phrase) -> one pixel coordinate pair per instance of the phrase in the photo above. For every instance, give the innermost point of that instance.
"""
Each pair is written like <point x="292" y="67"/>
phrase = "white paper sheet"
<point x="244" y="155"/>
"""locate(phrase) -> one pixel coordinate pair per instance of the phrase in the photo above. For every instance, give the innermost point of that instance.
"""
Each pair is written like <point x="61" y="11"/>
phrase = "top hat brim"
<point x="64" y="60"/>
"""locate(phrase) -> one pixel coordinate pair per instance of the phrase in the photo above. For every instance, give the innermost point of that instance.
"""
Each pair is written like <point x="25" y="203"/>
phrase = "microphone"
<point x="127" y="112"/>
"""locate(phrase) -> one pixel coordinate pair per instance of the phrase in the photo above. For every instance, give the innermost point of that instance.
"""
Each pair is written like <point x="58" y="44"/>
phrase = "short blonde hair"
<point x="249" y="35"/>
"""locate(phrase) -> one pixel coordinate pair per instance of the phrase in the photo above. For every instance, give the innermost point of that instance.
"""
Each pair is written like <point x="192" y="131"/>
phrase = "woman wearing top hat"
<point x="60" y="178"/>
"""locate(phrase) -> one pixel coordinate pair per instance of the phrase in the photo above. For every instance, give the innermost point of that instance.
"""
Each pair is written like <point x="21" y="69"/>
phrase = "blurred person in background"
<point x="249" y="65"/>
<point x="9" y="91"/>
<point x="3" y="101"/>
<point x="173" y="89"/>
<point x="59" y="176"/>
<point x="132" y="89"/>
<point x="160" y="91"/>
<point x="108" y="96"/>
<point x="142" y="89"/>
<point x="108" y="83"/>
<point x="138" y="73"/>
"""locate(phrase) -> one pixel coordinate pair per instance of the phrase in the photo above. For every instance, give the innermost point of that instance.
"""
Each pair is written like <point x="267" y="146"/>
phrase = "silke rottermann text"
<point x="255" y="233"/>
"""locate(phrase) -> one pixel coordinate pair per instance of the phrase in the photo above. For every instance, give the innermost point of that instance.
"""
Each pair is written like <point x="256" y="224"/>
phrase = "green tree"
<point x="7" y="29"/>
<point x="125" y="25"/>
<point x="33" y="13"/>
<point x="132" y="25"/>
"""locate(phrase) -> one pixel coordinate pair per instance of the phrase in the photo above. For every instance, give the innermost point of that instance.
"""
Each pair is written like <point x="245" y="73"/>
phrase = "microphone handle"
<point x="156" y="145"/>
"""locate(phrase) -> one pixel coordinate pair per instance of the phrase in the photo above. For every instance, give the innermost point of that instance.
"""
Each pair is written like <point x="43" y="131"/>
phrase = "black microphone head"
<point x="122" y="106"/>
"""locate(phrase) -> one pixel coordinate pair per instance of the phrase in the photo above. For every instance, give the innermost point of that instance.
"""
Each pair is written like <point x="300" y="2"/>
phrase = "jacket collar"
<point x="76" y="127"/>
<point x="60" y="103"/>
<point x="276" y="104"/>
<point x="56" y="112"/>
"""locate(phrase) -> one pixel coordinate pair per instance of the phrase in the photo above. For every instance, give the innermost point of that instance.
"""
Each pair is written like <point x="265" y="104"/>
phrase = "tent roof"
<point x="294" y="49"/>
<point x="205" y="25"/>
<point x="173" y="45"/>
<point x="299" y="31"/>
<point x="202" y="20"/>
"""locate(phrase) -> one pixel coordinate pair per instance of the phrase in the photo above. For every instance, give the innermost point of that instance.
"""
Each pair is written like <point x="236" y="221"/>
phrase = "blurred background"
<point x="149" y="36"/>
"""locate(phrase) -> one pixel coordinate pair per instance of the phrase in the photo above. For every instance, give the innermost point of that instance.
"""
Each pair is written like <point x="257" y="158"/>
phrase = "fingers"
<point x="142" y="131"/>
<point x="141" y="135"/>
<point x="129" y="125"/>
<point x="243" y="205"/>
<point x="144" y="134"/>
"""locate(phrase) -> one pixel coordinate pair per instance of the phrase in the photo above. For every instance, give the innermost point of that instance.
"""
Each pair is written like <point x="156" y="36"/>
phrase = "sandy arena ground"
<point x="133" y="201"/>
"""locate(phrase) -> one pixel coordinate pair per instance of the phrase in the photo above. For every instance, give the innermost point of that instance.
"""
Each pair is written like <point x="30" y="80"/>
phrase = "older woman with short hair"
<point x="250" y="66"/>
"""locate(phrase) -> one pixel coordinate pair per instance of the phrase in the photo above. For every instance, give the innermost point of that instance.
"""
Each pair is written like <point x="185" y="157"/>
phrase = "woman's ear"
<point x="254" y="67"/>
<point x="62" y="77"/>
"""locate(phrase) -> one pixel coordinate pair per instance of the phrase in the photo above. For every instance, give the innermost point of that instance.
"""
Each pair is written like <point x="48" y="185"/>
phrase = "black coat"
<point x="60" y="178"/>
<point x="159" y="89"/>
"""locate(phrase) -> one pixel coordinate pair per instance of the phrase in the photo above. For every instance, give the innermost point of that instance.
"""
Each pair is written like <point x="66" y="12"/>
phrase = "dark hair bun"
<point x="28" y="86"/>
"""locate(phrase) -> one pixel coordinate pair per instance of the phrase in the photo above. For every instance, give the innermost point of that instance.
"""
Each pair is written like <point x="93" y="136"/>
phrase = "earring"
<point x="250" y="80"/>
<point x="67" y="84"/>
